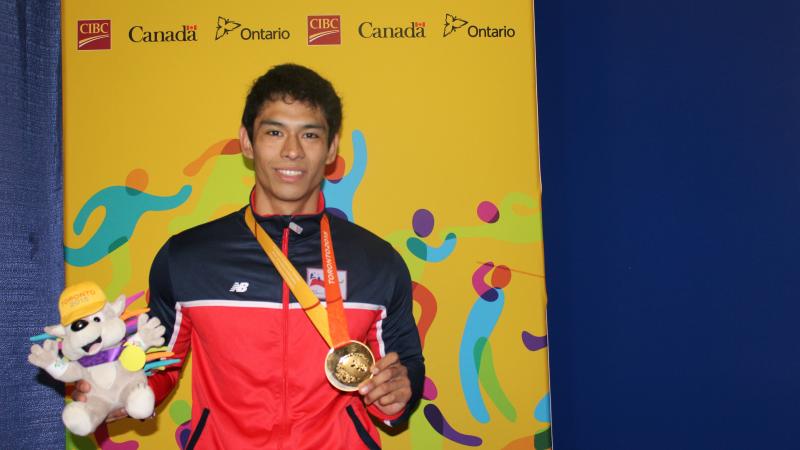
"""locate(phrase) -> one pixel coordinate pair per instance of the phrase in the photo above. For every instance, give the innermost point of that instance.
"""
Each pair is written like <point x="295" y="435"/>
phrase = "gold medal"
<point x="349" y="365"/>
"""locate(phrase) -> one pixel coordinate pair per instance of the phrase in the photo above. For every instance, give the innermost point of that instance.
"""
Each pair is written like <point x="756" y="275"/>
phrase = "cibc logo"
<point x="94" y="34"/>
<point x="324" y="30"/>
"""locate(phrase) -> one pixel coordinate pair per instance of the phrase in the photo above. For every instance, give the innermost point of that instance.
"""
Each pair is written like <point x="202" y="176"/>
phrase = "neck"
<point x="265" y="205"/>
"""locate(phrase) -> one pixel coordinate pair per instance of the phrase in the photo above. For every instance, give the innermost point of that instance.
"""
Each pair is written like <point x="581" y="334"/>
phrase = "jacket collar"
<point x="300" y="226"/>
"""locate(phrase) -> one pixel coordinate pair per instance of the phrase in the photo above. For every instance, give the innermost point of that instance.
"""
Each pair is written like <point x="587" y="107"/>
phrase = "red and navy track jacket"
<point x="257" y="361"/>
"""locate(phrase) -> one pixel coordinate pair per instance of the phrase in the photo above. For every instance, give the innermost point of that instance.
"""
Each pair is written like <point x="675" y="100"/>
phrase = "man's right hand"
<point x="82" y="387"/>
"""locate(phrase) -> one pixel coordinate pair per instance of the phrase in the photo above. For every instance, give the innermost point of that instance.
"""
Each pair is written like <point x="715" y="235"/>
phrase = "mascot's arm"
<point x="150" y="332"/>
<point x="177" y="326"/>
<point x="46" y="357"/>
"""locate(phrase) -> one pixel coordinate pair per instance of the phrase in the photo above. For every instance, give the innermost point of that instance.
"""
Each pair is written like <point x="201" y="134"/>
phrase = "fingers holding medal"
<point x="390" y="388"/>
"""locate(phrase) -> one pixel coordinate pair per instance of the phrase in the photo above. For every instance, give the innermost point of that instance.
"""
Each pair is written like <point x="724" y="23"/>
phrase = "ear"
<point x="245" y="144"/>
<point x="56" y="330"/>
<point x="118" y="305"/>
<point x="333" y="150"/>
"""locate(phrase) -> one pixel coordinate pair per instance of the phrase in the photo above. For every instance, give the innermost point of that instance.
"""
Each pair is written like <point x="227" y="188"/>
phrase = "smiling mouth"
<point x="89" y="346"/>
<point x="291" y="173"/>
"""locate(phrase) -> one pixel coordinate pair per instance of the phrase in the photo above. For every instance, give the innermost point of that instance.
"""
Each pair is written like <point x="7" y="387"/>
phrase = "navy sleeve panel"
<point x="162" y="301"/>
<point x="401" y="335"/>
<point x="162" y="305"/>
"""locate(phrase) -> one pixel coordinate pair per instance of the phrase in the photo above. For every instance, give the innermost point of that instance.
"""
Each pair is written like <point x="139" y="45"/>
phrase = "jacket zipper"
<point x="285" y="424"/>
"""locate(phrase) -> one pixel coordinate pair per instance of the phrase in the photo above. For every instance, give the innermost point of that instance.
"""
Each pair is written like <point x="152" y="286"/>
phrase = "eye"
<point x="310" y="135"/>
<point x="274" y="133"/>
<point x="96" y="319"/>
<point x="78" y="325"/>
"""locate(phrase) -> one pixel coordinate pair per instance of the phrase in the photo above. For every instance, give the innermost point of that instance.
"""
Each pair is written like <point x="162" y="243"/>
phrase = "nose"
<point x="292" y="149"/>
<point x="78" y="325"/>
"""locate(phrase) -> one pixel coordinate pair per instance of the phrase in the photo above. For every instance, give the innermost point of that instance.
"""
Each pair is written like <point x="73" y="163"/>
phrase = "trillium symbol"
<point x="225" y="26"/>
<point x="452" y="23"/>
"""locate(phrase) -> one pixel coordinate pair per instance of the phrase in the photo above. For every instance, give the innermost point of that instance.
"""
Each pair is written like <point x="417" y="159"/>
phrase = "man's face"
<point x="289" y="150"/>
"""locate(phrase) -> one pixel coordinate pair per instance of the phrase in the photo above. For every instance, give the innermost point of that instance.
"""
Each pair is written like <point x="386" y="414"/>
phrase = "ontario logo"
<point x="225" y="26"/>
<point x="324" y="30"/>
<point x="94" y="34"/>
<point x="453" y="24"/>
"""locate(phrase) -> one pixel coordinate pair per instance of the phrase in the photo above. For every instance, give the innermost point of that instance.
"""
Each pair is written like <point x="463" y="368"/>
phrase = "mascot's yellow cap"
<point x="80" y="300"/>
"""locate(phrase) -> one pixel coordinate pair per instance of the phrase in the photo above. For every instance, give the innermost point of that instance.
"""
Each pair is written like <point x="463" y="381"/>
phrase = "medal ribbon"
<point x="334" y="323"/>
<point x="333" y="294"/>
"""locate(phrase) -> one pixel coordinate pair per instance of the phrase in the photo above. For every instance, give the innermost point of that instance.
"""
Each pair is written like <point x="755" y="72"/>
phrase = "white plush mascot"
<point x="95" y="349"/>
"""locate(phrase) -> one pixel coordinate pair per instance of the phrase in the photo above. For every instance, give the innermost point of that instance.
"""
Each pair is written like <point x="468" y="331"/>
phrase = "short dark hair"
<point x="296" y="83"/>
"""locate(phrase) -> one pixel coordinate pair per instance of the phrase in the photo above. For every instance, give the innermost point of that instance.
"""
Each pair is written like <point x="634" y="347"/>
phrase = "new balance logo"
<point x="239" y="286"/>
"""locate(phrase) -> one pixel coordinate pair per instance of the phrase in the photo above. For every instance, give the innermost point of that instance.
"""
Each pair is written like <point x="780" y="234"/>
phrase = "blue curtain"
<point x="31" y="219"/>
<point x="670" y="152"/>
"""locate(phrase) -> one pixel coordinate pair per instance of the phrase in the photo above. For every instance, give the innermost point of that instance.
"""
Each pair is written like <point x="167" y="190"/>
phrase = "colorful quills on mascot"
<point x="97" y="346"/>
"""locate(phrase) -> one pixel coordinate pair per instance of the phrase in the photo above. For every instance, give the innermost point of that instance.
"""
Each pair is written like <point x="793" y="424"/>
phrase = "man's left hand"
<point x="389" y="388"/>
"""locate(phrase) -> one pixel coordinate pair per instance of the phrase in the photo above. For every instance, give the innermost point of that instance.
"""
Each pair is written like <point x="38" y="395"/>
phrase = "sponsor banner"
<point x="438" y="157"/>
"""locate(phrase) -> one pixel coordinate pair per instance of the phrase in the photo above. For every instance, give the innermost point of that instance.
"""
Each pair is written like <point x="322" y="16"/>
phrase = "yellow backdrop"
<point x="439" y="150"/>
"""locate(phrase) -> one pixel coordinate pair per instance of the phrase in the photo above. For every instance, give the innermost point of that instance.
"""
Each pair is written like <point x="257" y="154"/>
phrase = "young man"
<point x="258" y="378"/>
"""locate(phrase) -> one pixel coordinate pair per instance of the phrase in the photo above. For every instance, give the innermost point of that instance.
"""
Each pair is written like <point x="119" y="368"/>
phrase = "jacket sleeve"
<point x="177" y="336"/>
<point x="400" y="334"/>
